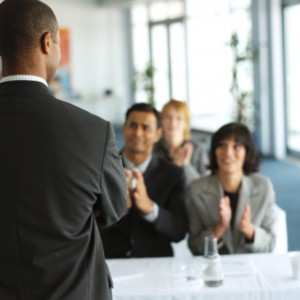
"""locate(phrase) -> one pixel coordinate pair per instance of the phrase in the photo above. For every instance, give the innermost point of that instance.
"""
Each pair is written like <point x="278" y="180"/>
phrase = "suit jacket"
<point x="198" y="164"/>
<point x="133" y="236"/>
<point x="57" y="163"/>
<point x="203" y="210"/>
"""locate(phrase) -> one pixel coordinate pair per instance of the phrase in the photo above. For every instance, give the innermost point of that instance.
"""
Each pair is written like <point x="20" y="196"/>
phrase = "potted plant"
<point x="242" y="58"/>
<point x="144" y="81"/>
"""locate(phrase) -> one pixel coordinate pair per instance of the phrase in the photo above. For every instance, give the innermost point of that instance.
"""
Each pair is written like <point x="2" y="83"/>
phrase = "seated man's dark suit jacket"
<point x="57" y="163"/>
<point x="133" y="236"/>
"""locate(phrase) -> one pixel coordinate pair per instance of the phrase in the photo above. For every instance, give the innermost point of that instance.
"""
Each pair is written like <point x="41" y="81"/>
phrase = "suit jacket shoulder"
<point x="58" y="162"/>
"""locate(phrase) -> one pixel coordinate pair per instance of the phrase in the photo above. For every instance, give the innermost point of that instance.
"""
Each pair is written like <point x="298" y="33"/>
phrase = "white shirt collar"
<point x="23" y="77"/>
<point x="142" y="167"/>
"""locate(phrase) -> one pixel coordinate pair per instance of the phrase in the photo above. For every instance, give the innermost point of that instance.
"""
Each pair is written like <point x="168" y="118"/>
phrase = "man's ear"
<point x="46" y="41"/>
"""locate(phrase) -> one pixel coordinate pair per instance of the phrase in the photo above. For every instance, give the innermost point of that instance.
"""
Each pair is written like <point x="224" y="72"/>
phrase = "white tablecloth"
<point x="248" y="276"/>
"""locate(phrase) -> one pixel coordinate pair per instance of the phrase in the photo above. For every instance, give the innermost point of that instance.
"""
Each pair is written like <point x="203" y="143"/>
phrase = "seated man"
<point x="156" y="198"/>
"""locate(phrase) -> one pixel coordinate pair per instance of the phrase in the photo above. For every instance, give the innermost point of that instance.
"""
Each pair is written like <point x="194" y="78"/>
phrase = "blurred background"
<point x="230" y="60"/>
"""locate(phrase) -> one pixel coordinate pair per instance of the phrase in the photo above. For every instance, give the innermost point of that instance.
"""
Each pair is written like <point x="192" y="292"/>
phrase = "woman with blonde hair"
<point x="176" y="144"/>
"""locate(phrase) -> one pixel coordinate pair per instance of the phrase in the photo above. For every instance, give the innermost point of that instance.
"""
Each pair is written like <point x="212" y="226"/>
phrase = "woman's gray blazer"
<point x="203" y="210"/>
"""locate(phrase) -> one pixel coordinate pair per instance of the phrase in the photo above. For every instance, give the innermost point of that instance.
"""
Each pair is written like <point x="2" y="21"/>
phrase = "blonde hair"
<point x="183" y="109"/>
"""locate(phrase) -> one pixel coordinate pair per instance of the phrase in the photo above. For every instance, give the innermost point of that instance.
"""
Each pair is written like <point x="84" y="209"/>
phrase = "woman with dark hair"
<point x="235" y="203"/>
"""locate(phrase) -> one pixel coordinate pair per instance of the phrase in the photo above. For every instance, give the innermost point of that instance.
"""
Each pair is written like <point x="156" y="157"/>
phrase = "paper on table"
<point x="127" y="276"/>
<point x="124" y="272"/>
<point x="238" y="267"/>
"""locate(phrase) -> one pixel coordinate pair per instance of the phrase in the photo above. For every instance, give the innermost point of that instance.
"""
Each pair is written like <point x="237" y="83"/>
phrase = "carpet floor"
<point x="285" y="176"/>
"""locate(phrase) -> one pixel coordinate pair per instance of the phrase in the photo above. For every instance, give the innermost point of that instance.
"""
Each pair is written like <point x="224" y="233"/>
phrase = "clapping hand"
<point x="140" y="195"/>
<point x="182" y="156"/>
<point x="130" y="180"/>
<point x="225" y="215"/>
<point x="225" y="211"/>
<point x="137" y="192"/>
<point x="246" y="227"/>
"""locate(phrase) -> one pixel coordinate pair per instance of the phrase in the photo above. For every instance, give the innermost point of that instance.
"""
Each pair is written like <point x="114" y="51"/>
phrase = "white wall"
<point x="97" y="56"/>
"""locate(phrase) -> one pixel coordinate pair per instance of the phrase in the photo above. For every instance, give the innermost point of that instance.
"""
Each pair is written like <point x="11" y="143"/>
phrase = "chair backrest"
<point x="181" y="248"/>
<point x="280" y="227"/>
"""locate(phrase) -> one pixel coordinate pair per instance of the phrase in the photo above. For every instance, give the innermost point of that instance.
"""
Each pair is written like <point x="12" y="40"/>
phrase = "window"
<point x="188" y="43"/>
<point x="292" y="69"/>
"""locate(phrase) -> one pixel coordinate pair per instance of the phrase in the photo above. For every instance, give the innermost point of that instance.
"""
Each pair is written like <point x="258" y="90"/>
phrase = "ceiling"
<point x="119" y="3"/>
<point x="124" y="3"/>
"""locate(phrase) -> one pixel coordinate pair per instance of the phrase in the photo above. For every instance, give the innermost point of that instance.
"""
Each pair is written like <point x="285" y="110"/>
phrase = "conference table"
<point x="246" y="276"/>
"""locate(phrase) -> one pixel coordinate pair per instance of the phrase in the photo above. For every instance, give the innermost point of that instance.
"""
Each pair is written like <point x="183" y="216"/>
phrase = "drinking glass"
<point x="212" y="265"/>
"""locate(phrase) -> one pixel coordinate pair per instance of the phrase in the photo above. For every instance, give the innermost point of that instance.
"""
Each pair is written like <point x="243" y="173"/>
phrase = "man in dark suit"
<point x="156" y="205"/>
<point x="58" y="164"/>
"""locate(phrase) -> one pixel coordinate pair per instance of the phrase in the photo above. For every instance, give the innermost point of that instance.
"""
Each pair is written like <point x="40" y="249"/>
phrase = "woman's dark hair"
<point x="144" y="107"/>
<point x="240" y="133"/>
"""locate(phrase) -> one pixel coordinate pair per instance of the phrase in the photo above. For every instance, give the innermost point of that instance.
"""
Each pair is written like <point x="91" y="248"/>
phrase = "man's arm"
<point x="112" y="202"/>
<point x="172" y="220"/>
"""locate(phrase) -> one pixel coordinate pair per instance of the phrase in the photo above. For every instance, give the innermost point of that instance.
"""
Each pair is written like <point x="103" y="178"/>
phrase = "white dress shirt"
<point x="23" y="77"/>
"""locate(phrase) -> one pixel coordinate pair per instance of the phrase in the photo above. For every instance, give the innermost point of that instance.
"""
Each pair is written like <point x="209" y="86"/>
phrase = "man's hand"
<point x="140" y="195"/>
<point x="129" y="179"/>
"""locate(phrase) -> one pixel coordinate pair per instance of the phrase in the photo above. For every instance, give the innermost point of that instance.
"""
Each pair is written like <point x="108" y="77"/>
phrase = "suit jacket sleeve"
<point x="172" y="219"/>
<point x="112" y="200"/>
<point x="263" y="220"/>
<point x="197" y="228"/>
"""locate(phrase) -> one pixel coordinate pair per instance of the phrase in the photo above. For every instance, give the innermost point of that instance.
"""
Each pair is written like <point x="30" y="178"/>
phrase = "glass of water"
<point x="212" y="265"/>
